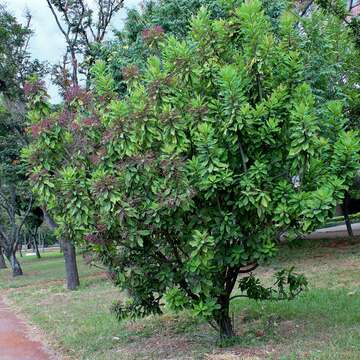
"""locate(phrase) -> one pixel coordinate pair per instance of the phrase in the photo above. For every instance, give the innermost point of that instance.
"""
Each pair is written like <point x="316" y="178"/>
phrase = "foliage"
<point x="342" y="10"/>
<point x="333" y="56"/>
<point x="184" y="183"/>
<point x="15" y="66"/>
<point x="13" y="37"/>
<point x="284" y="278"/>
<point x="130" y="46"/>
<point x="330" y="50"/>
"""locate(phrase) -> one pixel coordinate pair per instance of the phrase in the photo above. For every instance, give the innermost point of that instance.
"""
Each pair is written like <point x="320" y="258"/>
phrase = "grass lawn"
<point x="323" y="323"/>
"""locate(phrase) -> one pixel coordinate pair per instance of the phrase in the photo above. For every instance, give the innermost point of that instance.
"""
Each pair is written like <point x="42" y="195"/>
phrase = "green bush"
<point x="184" y="183"/>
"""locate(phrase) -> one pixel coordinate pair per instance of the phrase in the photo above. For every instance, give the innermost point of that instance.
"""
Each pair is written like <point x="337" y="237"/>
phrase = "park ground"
<point x="322" y="323"/>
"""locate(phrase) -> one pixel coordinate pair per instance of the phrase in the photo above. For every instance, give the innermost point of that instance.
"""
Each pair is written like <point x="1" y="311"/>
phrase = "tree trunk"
<point x="42" y="242"/>
<point x="2" y="260"/>
<point x="36" y="247"/>
<point x="224" y="322"/>
<point x="345" y="208"/>
<point x="15" y="265"/>
<point x="72" y="275"/>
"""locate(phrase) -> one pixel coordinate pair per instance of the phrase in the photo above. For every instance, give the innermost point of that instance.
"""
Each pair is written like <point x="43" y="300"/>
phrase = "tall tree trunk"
<point x="345" y="208"/>
<point x="15" y="265"/>
<point x="72" y="275"/>
<point x="223" y="320"/>
<point x="42" y="243"/>
<point x="2" y="260"/>
<point x="37" y="249"/>
<point x="36" y="246"/>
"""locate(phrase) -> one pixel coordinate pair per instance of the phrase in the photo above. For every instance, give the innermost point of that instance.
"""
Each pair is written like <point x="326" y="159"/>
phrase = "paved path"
<point x="14" y="341"/>
<point x="334" y="232"/>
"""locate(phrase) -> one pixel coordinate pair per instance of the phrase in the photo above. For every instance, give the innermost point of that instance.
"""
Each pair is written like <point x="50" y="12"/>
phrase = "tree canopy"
<point x="15" y="66"/>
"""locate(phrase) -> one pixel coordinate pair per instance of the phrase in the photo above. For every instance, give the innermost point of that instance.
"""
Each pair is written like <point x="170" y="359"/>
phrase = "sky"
<point x="48" y="44"/>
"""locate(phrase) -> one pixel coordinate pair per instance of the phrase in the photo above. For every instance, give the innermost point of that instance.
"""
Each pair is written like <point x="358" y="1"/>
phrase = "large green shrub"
<point x="183" y="184"/>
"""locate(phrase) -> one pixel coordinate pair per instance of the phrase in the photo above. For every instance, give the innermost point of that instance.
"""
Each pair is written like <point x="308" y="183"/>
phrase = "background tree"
<point x="340" y="76"/>
<point x="12" y="219"/>
<point x="15" y="198"/>
<point x="181" y="186"/>
<point x="15" y="66"/>
<point x="83" y="27"/>
<point x="32" y="225"/>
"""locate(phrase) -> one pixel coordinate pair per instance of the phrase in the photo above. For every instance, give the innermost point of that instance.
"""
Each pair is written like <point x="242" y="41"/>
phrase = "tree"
<point x="344" y="76"/>
<point x="181" y="185"/>
<point x="341" y="9"/>
<point x="11" y="223"/>
<point x="83" y="27"/>
<point x="13" y="51"/>
<point x="15" y="66"/>
<point x="68" y="248"/>
<point x="15" y="199"/>
<point x="33" y="223"/>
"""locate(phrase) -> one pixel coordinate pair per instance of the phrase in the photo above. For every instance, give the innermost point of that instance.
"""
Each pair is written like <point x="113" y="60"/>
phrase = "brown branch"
<point x="307" y="7"/>
<point x="248" y="268"/>
<point x="6" y="205"/>
<point x="58" y="21"/>
<point x="3" y="236"/>
<point x="238" y="296"/>
<point x="82" y="29"/>
<point x="24" y="217"/>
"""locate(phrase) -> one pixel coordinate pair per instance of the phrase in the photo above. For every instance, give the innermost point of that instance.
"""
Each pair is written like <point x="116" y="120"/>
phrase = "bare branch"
<point x="76" y="23"/>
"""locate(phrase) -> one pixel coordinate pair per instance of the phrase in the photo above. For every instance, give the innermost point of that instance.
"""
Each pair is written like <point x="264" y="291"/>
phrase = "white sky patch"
<point x="47" y="43"/>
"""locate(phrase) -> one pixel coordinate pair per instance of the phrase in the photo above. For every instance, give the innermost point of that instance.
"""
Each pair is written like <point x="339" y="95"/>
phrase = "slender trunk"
<point x="223" y="320"/>
<point x="345" y="208"/>
<point x="2" y="260"/>
<point x="36" y="245"/>
<point x="36" y="248"/>
<point x="15" y="265"/>
<point x="72" y="276"/>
